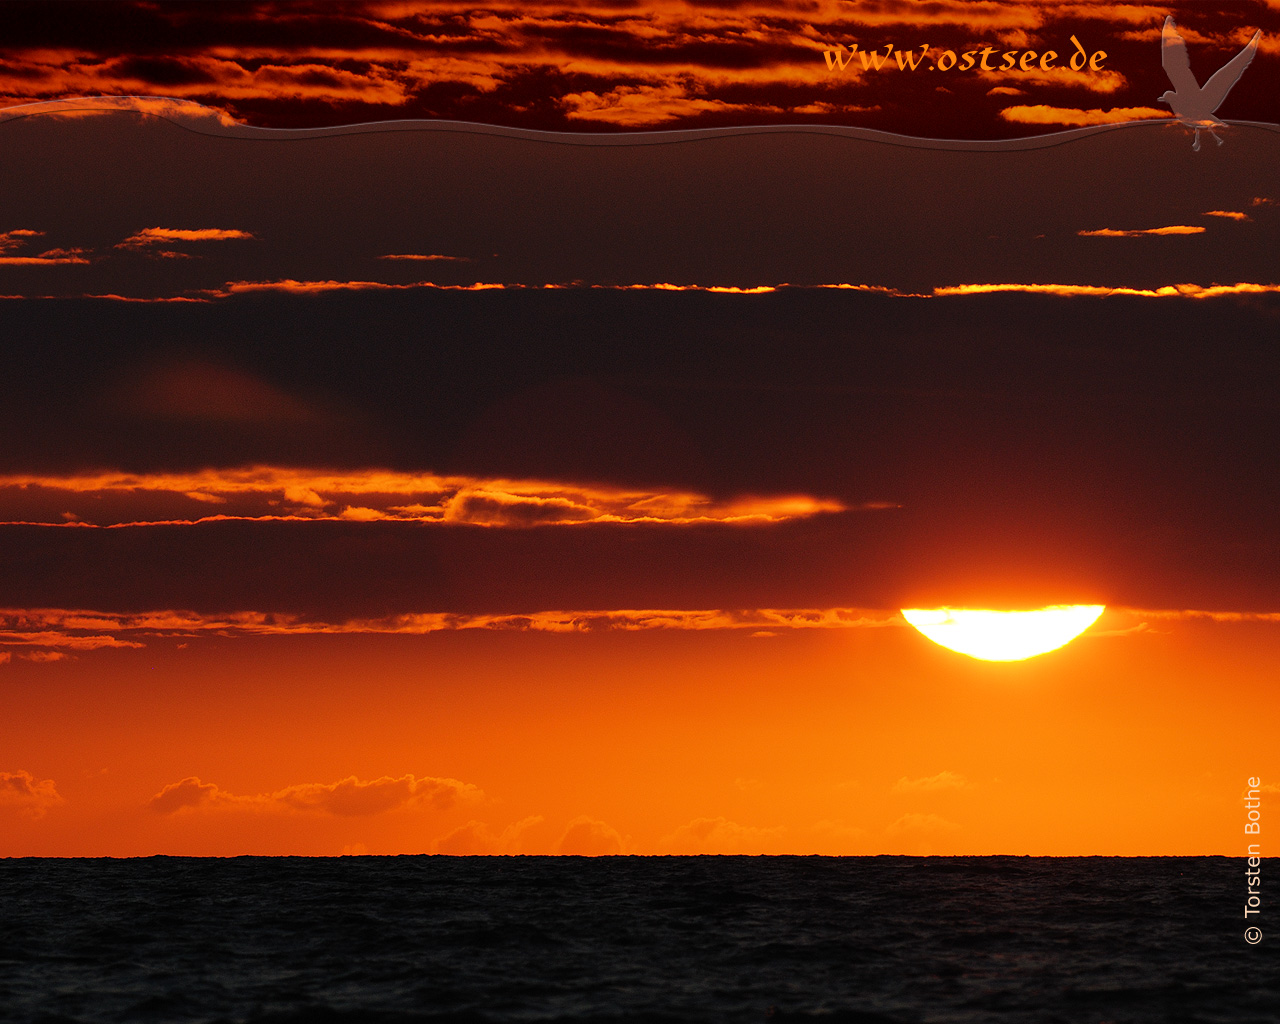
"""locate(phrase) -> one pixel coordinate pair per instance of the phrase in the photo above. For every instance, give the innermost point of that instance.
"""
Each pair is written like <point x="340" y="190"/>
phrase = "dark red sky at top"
<point x="608" y="66"/>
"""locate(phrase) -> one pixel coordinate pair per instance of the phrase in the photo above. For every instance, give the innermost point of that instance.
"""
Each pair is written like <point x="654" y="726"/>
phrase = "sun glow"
<point x="1003" y="636"/>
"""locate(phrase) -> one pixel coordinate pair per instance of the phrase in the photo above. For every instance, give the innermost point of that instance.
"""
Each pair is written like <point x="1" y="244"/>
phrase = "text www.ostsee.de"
<point x="970" y="60"/>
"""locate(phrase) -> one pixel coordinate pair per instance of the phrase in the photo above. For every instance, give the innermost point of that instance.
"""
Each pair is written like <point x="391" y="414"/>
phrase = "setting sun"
<point x="1003" y="635"/>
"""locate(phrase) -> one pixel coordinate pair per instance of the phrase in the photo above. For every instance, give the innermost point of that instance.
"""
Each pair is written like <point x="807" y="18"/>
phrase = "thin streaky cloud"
<point x="55" y="638"/>
<point x="1192" y="614"/>
<point x="231" y="289"/>
<point x="80" y="629"/>
<point x="52" y="631"/>
<point x="425" y="257"/>
<point x="1040" y="113"/>
<point x="10" y="240"/>
<point x="296" y="287"/>
<point x="153" y="236"/>
<point x="1227" y="214"/>
<point x="39" y="261"/>
<point x="1171" y="229"/>
<point x="1105" y="82"/>
<point x="114" y="297"/>
<point x="276" y="493"/>
<point x="1170" y="291"/>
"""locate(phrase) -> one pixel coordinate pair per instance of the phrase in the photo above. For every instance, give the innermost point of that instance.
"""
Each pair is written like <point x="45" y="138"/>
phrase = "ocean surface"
<point x="818" y="939"/>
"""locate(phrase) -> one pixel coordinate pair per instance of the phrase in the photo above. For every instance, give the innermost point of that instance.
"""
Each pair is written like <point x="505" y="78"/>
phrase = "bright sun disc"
<point x="1003" y="636"/>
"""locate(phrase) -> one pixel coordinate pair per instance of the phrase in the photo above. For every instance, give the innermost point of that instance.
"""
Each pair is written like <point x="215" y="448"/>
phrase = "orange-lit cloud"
<point x="10" y="240"/>
<point x="1040" y="113"/>
<point x="272" y="493"/>
<point x="60" y="628"/>
<point x="36" y="629"/>
<point x="295" y="287"/>
<point x="29" y="795"/>
<point x="1063" y="77"/>
<point x="64" y="629"/>
<point x="114" y="297"/>
<point x="41" y="261"/>
<point x="718" y="836"/>
<point x="1188" y="291"/>
<point x="424" y="256"/>
<point x="45" y="657"/>
<point x="350" y="797"/>
<point x="211" y="76"/>
<point x="916" y="823"/>
<point x="877" y="289"/>
<point x="588" y="837"/>
<point x="1229" y="214"/>
<point x="930" y="783"/>
<point x="1192" y="614"/>
<point x="1234" y="40"/>
<point x="476" y="838"/>
<point x="665" y="286"/>
<point x="19" y="237"/>
<point x="1172" y="229"/>
<point x="153" y="236"/>
<point x="90" y="105"/>
<point x="631" y="106"/>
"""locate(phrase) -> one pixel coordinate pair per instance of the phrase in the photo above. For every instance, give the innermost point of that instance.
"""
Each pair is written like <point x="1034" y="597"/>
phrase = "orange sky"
<point x="841" y="741"/>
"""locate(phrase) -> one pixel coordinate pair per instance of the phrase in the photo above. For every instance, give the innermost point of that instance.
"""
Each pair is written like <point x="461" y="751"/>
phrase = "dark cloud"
<point x="1072" y="435"/>
<point x="620" y="45"/>
<point x="163" y="71"/>
<point x="797" y="207"/>
<point x="309" y="64"/>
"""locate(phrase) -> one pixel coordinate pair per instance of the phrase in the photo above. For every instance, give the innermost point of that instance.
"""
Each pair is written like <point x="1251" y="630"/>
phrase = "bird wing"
<point x="1216" y="89"/>
<point x="1176" y="63"/>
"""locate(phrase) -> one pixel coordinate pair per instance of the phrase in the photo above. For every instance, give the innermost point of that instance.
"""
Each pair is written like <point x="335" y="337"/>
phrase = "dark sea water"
<point x="818" y="939"/>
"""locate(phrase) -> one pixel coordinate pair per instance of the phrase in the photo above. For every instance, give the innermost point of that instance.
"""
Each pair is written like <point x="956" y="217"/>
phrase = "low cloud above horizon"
<point x="350" y="797"/>
<point x="27" y="794"/>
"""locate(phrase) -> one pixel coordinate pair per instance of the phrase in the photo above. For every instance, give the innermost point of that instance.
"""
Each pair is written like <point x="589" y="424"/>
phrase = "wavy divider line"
<point x="206" y="120"/>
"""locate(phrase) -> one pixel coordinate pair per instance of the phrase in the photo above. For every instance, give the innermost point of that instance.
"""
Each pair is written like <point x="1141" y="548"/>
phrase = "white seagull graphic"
<point x="1192" y="104"/>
